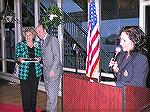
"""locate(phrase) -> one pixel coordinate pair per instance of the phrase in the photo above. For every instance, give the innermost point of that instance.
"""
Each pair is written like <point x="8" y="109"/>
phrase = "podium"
<point x="81" y="95"/>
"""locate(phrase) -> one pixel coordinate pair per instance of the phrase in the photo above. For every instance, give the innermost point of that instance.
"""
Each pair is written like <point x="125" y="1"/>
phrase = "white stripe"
<point x="95" y="57"/>
<point x="93" y="61"/>
<point x="94" y="31"/>
<point x="95" y="43"/>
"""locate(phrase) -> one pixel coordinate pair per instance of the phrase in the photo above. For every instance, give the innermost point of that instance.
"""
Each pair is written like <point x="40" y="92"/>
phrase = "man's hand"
<point x="52" y="74"/>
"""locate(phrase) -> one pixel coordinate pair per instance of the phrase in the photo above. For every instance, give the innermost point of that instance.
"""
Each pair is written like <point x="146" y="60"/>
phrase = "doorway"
<point x="145" y="25"/>
<point x="147" y="31"/>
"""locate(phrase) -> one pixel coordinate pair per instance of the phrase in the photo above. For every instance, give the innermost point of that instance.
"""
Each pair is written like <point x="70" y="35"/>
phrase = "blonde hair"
<point x="29" y="29"/>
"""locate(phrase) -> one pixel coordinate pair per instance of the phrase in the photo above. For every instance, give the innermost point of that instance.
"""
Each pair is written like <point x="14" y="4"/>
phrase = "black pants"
<point x="29" y="89"/>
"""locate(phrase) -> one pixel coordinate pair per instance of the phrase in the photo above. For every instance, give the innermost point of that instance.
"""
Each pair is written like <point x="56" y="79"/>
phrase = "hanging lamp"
<point x="9" y="15"/>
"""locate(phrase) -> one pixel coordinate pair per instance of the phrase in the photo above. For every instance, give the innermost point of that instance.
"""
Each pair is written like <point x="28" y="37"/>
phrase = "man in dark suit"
<point x="52" y="68"/>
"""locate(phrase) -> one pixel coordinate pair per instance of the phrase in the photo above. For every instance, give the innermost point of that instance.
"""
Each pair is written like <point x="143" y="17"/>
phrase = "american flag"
<point x="93" y="48"/>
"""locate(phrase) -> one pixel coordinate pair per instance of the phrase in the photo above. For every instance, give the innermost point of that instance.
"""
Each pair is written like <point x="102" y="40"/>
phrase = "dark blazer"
<point x="22" y="52"/>
<point x="133" y="71"/>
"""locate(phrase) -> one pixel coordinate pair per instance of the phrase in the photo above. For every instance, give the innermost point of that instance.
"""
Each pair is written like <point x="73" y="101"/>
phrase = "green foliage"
<point x="53" y="18"/>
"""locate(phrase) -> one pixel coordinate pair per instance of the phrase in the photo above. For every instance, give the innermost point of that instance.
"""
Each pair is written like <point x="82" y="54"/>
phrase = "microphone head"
<point x="74" y="46"/>
<point x="118" y="49"/>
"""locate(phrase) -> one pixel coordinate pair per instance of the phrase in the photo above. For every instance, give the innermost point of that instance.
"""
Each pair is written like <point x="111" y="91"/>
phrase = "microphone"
<point x="117" y="51"/>
<point x="74" y="46"/>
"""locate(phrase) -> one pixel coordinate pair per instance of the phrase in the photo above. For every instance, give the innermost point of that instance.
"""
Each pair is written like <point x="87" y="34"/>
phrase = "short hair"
<point x="40" y="25"/>
<point x="29" y="29"/>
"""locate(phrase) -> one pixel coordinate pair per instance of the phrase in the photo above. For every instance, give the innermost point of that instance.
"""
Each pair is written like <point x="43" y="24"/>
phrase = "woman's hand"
<point x="114" y="65"/>
<point x="20" y="60"/>
<point x="115" y="68"/>
<point x="38" y="59"/>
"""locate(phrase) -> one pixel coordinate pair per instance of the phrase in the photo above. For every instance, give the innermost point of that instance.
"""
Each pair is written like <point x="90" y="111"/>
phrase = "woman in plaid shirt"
<point x="28" y="56"/>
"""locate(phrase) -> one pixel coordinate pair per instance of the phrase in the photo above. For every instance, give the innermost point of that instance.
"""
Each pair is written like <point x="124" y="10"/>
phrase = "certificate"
<point x="30" y="60"/>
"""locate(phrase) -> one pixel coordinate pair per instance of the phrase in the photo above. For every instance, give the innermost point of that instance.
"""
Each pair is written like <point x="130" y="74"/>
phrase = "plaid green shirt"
<point x="22" y="52"/>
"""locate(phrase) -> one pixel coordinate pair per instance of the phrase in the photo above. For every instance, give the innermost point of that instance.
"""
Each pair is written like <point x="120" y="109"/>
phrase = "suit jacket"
<point x="51" y="58"/>
<point x="22" y="52"/>
<point x="133" y="71"/>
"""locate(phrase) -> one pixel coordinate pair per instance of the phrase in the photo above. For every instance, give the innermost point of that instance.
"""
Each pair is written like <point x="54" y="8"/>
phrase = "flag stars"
<point x="93" y="17"/>
<point x="93" y="56"/>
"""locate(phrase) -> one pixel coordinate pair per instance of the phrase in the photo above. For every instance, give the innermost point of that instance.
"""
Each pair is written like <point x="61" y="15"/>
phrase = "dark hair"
<point x="137" y="36"/>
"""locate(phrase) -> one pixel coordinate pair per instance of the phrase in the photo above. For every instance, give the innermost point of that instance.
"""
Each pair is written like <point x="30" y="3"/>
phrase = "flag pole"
<point x="93" y="41"/>
<point x="98" y="12"/>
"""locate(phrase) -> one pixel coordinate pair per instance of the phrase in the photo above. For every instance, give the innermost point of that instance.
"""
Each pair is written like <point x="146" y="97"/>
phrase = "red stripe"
<point x="94" y="65"/>
<point x="91" y="52"/>
<point x="95" y="50"/>
<point x="95" y="36"/>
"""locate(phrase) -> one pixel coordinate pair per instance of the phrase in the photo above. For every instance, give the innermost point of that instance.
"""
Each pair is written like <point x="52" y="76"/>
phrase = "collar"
<point x="45" y="36"/>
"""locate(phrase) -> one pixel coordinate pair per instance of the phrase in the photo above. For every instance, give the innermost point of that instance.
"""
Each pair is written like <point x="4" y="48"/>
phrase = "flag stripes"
<point x="93" y="47"/>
